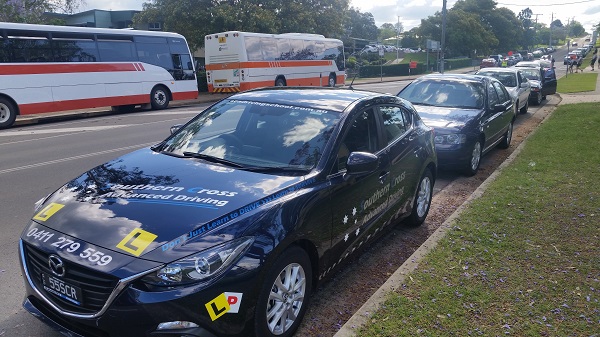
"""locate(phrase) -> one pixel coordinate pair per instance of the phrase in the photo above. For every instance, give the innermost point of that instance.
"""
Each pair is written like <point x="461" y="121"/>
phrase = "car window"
<point x="531" y="73"/>
<point x="492" y="96"/>
<point x="503" y="95"/>
<point x="506" y="78"/>
<point x="362" y="136"/>
<point x="396" y="122"/>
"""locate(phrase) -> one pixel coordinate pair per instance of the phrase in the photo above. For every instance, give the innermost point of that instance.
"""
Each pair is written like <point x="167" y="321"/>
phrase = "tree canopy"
<point x="197" y="18"/>
<point x="32" y="11"/>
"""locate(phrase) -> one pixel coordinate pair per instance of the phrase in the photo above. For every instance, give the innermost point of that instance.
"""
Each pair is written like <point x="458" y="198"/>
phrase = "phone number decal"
<point x="62" y="243"/>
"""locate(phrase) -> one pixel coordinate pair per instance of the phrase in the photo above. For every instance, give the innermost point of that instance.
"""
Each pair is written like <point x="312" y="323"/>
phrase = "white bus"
<point x="237" y="61"/>
<point x="55" y="68"/>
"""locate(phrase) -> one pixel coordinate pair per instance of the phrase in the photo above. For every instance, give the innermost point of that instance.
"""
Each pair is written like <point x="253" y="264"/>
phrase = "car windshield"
<point x="445" y="93"/>
<point x="531" y="73"/>
<point x="254" y="135"/>
<point x="508" y="79"/>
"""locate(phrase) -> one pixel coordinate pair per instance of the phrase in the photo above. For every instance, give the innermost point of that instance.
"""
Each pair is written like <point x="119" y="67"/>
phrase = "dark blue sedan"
<point x="470" y="114"/>
<point x="225" y="227"/>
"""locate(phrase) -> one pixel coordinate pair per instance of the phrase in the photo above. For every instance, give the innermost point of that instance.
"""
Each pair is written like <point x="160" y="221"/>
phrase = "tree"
<point x="528" y="33"/>
<point x="196" y="18"/>
<point x="576" y="29"/>
<point x="361" y="25"/>
<point x="386" y="31"/>
<point x="32" y="11"/>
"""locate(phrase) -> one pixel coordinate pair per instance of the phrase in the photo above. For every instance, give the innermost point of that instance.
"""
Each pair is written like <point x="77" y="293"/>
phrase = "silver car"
<point x="517" y="85"/>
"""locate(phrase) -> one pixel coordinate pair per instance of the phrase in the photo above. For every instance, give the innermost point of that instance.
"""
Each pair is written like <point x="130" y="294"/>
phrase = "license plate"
<point x="62" y="289"/>
<point x="221" y="81"/>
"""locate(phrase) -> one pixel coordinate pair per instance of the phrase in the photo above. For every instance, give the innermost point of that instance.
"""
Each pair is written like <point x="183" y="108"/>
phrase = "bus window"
<point x="320" y="50"/>
<point x="30" y="50"/>
<point x="116" y="51"/>
<point x="183" y="67"/>
<point x="283" y="46"/>
<point x="269" y="49"/>
<point x="156" y="54"/>
<point x="253" y="48"/>
<point x="74" y="50"/>
<point x="178" y="46"/>
<point x="296" y="49"/>
<point x="3" y="50"/>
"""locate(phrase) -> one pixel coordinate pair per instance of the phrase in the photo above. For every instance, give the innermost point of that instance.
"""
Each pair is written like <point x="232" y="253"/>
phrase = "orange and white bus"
<point x="55" y="68"/>
<point x="238" y="61"/>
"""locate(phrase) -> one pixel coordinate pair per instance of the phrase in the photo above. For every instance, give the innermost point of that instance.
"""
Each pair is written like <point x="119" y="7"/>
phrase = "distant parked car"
<point x="517" y="85"/>
<point x="488" y="62"/>
<point x="543" y="80"/>
<point x="470" y="114"/>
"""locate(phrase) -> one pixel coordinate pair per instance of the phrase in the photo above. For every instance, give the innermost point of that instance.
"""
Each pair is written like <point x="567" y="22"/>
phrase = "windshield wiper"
<point x="275" y="169"/>
<point x="212" y="159"/>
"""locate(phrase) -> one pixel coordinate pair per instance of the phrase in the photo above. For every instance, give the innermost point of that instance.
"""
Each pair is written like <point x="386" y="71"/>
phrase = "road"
<point x="38" y="159"/>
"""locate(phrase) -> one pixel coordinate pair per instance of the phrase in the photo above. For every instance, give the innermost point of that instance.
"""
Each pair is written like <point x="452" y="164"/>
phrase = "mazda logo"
<point x="56" y="265"/>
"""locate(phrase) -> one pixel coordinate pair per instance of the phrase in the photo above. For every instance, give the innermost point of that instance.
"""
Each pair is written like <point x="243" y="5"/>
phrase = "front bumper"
<point x="137" y="312"/>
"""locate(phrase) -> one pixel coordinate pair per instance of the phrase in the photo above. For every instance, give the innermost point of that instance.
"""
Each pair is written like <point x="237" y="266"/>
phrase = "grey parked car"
<point x="515" y="82"/>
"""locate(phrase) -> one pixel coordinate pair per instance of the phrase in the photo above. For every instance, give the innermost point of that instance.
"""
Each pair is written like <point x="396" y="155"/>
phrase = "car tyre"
<point x="524" y="108"/>
<point x="505" y="143"/>
<point x="283" y="298"/>
<point x="474" y="160"/>
<point x="538" y="99"/>
<point x="8" y="113"/>
<point x="159" y="98"/>
<point x="422" y="200"/>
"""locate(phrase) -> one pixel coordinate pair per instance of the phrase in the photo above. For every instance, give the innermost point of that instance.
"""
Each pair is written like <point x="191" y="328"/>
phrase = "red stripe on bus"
<point x="178" y="96"/>
<point x="269" y="64"/>
<point x="35" y="108"/>
<point x="61" y="68"/>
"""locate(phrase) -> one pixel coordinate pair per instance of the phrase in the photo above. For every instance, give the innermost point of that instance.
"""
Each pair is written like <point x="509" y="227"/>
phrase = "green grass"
<point x="577" y="82"/>
<point x="522" y="260"/>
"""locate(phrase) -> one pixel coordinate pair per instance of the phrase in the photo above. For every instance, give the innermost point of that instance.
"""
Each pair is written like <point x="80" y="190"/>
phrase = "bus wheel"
<point x="159" y="98"/>
<point x="8" y="113"/>
<point x="331" y="82"/>
<point x="280" y="82"/>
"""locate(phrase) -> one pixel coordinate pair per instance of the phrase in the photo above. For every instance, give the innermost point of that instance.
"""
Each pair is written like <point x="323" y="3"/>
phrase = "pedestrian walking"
<point x="593" y="61"/>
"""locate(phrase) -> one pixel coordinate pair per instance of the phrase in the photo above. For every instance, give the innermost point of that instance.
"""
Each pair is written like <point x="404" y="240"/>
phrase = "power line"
<point x="546" y="5"/>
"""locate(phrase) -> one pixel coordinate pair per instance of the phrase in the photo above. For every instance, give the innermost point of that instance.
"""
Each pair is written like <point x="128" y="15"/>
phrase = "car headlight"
<point x="200" y="266"/>
<point x="452" y="139"/>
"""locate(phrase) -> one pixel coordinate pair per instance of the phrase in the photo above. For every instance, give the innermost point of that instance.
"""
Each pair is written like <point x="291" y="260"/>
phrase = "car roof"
<point x="499" y="70"/>
<point x="333" y="99"/>
<point x="455" y="77"/>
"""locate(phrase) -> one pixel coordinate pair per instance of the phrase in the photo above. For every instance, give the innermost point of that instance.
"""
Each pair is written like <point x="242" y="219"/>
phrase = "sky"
<point x="410" y="12"/>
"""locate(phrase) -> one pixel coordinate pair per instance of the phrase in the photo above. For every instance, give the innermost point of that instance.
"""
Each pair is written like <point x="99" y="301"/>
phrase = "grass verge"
<point x="577" y="82"/>
<point x="522" y="260"/>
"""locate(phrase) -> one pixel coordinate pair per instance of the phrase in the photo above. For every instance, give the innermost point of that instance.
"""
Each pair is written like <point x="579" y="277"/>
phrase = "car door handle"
<point x="383" y="176"/>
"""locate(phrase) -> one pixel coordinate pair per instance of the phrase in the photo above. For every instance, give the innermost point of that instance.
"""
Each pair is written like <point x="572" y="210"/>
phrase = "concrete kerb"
<point x="363" y="315"/>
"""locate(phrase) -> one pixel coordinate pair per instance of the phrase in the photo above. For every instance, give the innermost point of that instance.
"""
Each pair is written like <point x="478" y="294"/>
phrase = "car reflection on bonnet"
<point x="225" y="227"/>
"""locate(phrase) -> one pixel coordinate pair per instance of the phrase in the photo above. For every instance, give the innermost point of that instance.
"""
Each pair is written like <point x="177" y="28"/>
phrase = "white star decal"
<point x="354" y="211"/>
<point x="345" y="219"/>
<point x="346" y="237"/>
<point x="357" y="231"/>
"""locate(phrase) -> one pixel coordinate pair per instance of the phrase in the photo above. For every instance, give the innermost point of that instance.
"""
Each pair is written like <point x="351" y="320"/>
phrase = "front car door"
<point x="548" y="82"/>
<point x="357" y="201"/>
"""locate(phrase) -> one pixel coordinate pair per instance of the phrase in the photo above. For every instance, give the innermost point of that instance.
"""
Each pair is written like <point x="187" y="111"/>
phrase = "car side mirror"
<point x="524" y="84"/>
<point x="499" y="108"/>
<point x="361" y="163"/>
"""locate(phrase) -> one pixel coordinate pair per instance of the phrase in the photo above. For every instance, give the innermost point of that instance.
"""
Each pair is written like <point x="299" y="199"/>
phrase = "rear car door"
<point x="496" y="122"/>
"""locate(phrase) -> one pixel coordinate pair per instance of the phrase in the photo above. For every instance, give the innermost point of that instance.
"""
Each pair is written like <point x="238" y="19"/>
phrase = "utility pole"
<point x="398" y="39"/>
<point x="535" y="27"/>
<point x="551" y="21"/>
<point x="443" y="46"/>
